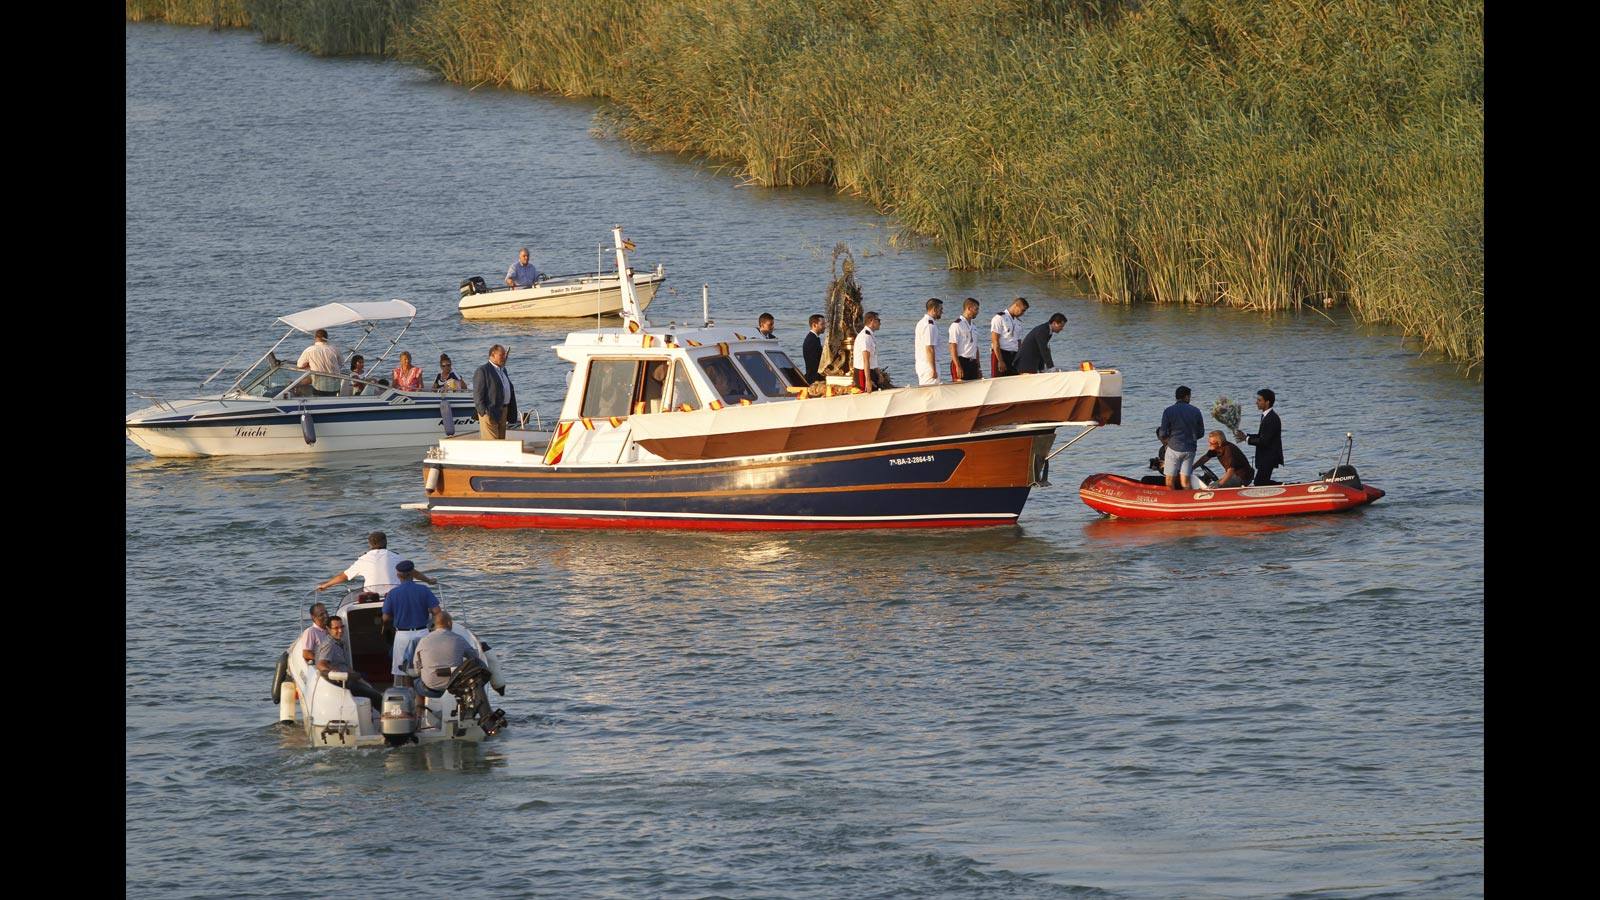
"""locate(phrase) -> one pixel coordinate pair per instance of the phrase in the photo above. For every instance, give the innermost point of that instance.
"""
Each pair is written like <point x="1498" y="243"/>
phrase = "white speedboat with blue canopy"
<point x="272" y="407"/>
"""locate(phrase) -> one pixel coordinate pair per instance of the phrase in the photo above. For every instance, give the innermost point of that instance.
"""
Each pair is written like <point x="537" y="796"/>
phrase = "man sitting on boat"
<point x="318" y="632"/>
<point x="333" y="657"/>
<point x="522" y="274"/>
<point x="408" y="607"/>
<point x="1237" y="472"/>
<point x="322" y="356"/>
<point x="440" y="650"/>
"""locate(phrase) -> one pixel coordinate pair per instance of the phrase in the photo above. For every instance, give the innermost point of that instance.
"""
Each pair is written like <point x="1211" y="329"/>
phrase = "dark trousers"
<point x="1009" y="357"/>
<point x="359" y="686"/>
<point x="1264" y="475"/>
<point x="969" y="368"/>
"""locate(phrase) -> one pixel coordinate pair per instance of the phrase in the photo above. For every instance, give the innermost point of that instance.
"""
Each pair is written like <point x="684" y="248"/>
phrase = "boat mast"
<point x="630" y="301"/>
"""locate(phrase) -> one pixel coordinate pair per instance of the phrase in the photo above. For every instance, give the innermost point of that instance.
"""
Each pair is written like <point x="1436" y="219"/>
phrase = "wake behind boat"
<point x="711" y="428"/>
<point x="270" y="408"/>
<point x="560" y="297"/>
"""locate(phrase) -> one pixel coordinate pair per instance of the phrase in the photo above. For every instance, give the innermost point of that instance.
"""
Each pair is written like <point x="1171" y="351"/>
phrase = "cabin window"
<point x="787" y="368"/>
<point x="683" y="391"/>
<point x="610" y="389"/>
<point x="652" y="388"/>
<point x="762" y="373"/>
<point x="725" y="378"/>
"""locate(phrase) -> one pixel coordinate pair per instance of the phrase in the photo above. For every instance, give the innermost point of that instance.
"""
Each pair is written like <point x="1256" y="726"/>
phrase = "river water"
<point x="1069" y="707"/>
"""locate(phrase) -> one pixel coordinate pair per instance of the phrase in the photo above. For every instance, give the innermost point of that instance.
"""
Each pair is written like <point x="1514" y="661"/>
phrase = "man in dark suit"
<point x="1269" y="440"/>
<point x="1033" y="354"/>
<point x="493" y="396"/>
<point x="812" y="349"/>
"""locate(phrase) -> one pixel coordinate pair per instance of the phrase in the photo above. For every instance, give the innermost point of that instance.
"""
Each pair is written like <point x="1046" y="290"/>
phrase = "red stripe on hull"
<point x="630" y="523"/>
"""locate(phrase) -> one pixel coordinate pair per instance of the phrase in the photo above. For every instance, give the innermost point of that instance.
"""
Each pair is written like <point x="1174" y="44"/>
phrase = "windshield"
<point x="725" y="379"/>
<point x="270" y="379"/>
<point x="762" y="372"/>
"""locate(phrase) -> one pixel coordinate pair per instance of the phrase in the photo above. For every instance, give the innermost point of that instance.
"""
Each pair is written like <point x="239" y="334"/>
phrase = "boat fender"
<point x="280" y="676"/>
<point x="430" y="481"/>
<point x="448" y="415"/>
<point x="496" y="680"/>
<point x="308" y="428"/>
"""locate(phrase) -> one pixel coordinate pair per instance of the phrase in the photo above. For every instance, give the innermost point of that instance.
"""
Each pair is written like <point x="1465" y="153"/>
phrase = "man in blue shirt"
<point x="522" y="274"/>
<point x="408" y="606"/>
<point x="1182" y="426"/>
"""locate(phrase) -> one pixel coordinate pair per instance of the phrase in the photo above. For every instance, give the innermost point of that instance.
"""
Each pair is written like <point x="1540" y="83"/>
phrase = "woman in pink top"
<point x="406" y="376"/>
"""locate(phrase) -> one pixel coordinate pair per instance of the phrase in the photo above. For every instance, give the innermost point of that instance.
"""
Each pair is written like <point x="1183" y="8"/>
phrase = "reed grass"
<point x="1265" y="155"/>
<point x="215" y="13"/>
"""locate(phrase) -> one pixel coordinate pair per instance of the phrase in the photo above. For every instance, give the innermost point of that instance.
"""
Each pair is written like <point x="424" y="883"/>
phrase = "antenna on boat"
<point x="630" y="301"/>
<point x="705" y="304"/>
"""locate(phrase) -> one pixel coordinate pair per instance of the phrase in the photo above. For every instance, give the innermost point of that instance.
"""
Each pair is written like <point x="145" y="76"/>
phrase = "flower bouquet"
<point x="1227" y="412"/>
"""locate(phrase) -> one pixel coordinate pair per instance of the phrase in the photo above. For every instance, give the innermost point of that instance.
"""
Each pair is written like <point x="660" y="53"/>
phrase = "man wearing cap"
<point x="375" y="568"/>
<point x="408" y="607"/>
<point x="1182" y="426"/>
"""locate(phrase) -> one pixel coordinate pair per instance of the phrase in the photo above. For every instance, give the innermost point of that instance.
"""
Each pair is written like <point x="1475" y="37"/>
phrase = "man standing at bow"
<point x="1269" y="440"/>
<point x="493" y="396"/>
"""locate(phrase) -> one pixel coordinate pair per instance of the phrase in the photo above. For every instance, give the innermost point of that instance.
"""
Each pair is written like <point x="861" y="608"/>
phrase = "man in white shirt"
<point x="311" y="637"/>
<point x="375" y="568"/>
<point x="1004" y="330"/>
<point x="927" y="346"/>
<point x="964" y="344"/>
<point x="321" y="356"/>
<point x="865" y="353"/>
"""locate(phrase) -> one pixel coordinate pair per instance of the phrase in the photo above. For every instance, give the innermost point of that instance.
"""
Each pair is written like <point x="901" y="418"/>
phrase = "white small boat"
<point x="334" y="717"/>
<point x="560" y="297"/>
<point x="270" y="408"/>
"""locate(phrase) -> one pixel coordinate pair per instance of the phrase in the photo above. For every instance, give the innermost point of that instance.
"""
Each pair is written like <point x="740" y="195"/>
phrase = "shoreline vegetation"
<point x="1263" y="155"/>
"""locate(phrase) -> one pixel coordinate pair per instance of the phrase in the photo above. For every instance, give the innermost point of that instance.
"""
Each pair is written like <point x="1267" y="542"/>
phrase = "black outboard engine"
<point x="474" y="285"/>
<point x="467" y="685"/>
<point x="1345" y="475"/>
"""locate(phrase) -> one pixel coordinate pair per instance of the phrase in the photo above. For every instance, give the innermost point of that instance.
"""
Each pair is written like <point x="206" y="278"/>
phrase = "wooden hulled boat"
<point x="712" y="428"/>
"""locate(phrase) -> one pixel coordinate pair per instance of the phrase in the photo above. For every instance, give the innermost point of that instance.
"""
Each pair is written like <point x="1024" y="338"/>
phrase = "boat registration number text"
<point x="911" y="460"/>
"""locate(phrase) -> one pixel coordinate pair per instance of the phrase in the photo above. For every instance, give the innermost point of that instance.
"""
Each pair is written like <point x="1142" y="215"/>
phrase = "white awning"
<point x="332" y="314"/>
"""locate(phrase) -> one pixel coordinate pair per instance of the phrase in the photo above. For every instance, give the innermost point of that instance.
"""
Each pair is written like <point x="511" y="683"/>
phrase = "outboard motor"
<point x="1345" y="475"/>
<point x="399" y="724"/>
<point x="474" y="285"/>
<point x="467" y="686"/>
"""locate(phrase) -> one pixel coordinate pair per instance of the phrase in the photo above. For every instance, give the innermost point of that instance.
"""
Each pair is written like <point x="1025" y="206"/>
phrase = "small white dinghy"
<point x="558" y="297"/>
<point x="334" y="717"/>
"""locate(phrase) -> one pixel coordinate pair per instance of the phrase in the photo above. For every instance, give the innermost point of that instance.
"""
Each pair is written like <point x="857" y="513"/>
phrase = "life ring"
<point x="280" y="676"/>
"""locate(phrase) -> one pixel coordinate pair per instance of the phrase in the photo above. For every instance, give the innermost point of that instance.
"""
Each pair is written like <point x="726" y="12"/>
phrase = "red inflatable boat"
<point x="1127" y="498"/>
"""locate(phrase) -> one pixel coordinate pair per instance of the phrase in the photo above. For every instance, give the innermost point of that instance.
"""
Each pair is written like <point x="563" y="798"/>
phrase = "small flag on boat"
<point x="684" y="407"/>
<point x="740" y="336"/>
<point x="557" y="444"/>
<point x="716" y="404"/>
<point x="588" y="423"/>
<point x="649" y="340"/>
<point x="616" y="421"/>
<point x="633" y="327"/>
<point x="744" y="402"/>
<point x="629" y="245"/>
<point x="722" y="347"/>
<point x="695" y="343"/>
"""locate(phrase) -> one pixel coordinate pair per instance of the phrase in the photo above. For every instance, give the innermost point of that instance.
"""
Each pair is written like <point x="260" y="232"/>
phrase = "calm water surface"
<point x="1069" y="707"/>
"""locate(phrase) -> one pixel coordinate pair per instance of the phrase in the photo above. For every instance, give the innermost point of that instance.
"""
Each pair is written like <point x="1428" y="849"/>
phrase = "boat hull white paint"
<point x="584" y="299"/>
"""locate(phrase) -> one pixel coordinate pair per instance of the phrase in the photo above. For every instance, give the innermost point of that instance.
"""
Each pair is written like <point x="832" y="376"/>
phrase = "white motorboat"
<point x="272" y="407"/>
<point x="558" y="297"/>
<point x="334" y="717"/>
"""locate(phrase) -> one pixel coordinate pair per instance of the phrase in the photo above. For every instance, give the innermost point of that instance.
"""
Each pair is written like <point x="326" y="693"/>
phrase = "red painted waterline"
<point x="631" y="523"/>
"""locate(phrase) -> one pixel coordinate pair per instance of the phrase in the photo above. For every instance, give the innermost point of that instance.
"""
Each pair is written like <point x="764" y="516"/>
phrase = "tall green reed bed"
<point x="216" y="13"/>
<point x="333" y="27"/>
<point x="1266" y="154"/>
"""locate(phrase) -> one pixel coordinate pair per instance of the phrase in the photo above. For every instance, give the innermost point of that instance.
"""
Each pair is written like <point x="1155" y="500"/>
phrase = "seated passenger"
<point x="654" y="387"/>
<point x="406" y="376"/>
<point x="1238" y="472"/>
<point x="447" y="379"/>
<point x="333" y="657"/>
<point x="440" y="649"/>
<point x="358" y="373"/>
<point x="316" y="634"/>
